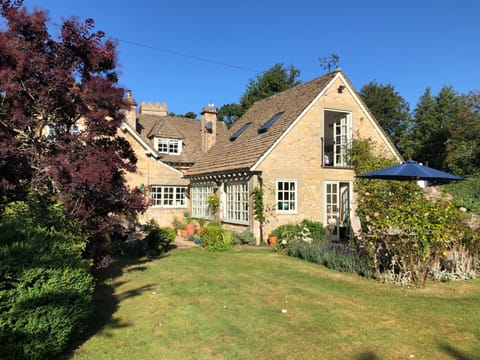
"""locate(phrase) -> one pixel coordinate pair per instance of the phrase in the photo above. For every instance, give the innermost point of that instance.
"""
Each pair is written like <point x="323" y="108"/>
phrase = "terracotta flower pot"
<point x="190" y="229"/>
<point x="272" y="240"/>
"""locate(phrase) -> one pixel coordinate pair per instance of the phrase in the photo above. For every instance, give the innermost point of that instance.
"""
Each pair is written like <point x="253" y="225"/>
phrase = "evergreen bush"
<point x="45" y="286"/>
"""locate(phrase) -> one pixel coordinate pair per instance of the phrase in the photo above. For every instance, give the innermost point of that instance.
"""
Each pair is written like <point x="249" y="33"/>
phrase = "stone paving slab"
<point x="181" y="243"/>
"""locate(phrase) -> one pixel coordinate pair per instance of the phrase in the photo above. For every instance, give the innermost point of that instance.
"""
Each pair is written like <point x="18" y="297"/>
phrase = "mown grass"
<point x="194" y="304"/>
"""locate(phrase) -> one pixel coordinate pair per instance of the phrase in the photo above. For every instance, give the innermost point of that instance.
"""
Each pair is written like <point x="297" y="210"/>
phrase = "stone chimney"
<point x="153" y="109"/>
<point x="131" y="110"/>
<point x="209" y="126"/>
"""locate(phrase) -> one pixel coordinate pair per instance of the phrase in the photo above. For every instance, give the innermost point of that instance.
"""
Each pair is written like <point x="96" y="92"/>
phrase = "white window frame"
<point x="237" y="201"/>
<point x="51" y="132"/>
<point x="166" y="196"/>
<point x="341" y="134"/>
<point x="200" y="207"/>
<point x="75" y="129"/>
<point x="283" y="197"/>
<point x="168" y="146"/>
<point x="337" y="204"/>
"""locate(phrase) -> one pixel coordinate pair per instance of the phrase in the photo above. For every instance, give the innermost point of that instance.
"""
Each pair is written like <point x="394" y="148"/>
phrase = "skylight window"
<point x="240" y="131"/>
<point x="269" y="123"/>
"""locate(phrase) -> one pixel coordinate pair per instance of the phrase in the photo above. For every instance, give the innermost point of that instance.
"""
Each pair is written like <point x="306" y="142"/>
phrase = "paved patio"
<point x="181" y="243"/>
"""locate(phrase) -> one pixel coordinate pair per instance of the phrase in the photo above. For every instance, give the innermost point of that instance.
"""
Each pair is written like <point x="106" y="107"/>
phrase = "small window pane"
<point x="286" y="196"/>
<point x="236" y="204"/>
<point x="168" y="196"/>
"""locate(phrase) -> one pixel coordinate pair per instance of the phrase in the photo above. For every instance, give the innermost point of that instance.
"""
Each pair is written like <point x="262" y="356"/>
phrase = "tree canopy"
<point x="189" y="115"/>
<point x="391" y="111"/>
<point x="433" y="118"/>
<point x="443" y="131"/>
<point x="58" y="83"/>
<point x="276" y="79"/>
<point x="463" y="145"/>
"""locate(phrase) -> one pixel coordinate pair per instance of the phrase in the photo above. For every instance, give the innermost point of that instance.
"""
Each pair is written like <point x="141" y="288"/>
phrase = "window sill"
<point x="286" y="212"/>
<point x="235" y="222"/>
<point x="168" y="206"/>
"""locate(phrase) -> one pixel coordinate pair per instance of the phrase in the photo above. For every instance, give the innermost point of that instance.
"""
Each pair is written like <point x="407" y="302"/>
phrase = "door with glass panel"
<point x="337" y="209"/>
<point x="341" y="140"/>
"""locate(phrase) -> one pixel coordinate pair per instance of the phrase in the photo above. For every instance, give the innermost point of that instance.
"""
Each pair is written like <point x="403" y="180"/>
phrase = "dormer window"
<point x="168" y="146"/>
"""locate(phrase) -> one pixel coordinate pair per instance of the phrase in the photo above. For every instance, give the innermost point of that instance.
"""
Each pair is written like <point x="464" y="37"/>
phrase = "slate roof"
<point x="249" y="147"/>
<point x="185" y="129"/>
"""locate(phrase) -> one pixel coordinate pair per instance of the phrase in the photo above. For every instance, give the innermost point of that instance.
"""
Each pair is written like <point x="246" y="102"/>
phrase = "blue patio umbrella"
<point x="411" y="170"/>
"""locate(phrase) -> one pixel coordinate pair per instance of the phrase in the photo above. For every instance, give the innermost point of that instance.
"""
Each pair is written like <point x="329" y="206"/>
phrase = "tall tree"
<point x="463" y="146"/>
<point x="189" y="115"/>
<point x="57" y="83"/>
<point x="433" y="117"/>
<point x="391" y="111"/>
<point x="278" y="78"/>
<point x="229" y="113"/>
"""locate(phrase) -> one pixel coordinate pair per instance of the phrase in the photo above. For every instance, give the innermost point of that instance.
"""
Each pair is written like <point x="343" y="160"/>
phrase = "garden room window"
<point x="200" y="207"/>
<point x="168" y="146"/>
<point x="286" y="196"/>
<point x="236" y="202"/>
<point x="168" y="196"/>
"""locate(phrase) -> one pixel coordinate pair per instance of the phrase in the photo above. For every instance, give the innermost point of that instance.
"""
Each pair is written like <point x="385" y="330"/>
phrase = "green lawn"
<point x="198" y="305"/>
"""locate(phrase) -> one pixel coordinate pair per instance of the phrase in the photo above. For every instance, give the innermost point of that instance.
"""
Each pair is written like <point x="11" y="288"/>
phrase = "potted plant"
<point x="178" y="225"/>
<point x="272" y="239"/>
<point x="190" y="225"/>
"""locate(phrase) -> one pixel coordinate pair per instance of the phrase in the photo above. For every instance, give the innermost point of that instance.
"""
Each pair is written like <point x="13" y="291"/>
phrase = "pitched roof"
<point x="248" y="147"/>
<point x="376" y="124"/>
<point x="172" y="127"/>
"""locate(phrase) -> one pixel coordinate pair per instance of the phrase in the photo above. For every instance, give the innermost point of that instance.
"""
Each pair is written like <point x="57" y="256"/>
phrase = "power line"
<point x="198" y="58"/>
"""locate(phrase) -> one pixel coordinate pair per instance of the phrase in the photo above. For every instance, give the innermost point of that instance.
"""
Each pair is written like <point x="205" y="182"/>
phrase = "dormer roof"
<point x="187" y="130"/>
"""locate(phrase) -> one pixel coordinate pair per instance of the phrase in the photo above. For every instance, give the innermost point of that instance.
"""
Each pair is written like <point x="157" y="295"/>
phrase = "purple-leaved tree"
<point x="55" y="83"/>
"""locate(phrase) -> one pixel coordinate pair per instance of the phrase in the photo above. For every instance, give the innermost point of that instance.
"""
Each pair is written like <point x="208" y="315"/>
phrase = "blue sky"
<point x="410" y="44"/>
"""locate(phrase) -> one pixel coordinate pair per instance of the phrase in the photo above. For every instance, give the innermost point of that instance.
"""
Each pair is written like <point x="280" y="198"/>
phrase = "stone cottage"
<point x="294" y="145"/>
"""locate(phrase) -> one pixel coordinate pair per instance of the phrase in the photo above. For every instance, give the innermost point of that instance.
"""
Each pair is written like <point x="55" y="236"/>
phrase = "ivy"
<point x="258" y="206"/>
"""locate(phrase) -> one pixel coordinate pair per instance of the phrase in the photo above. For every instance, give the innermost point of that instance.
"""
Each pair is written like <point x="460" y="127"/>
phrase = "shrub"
<point x="136" y="248"/>
<point x="307" y="231"/>
<point x="45" y="286"/>
<point x="340" y="258"/>
<point x="287" y="232"/>
<point x="244" y="238"/>
<point x="405" y="233"/>
<point x="316" y="228"/>
<point x="158" y="238"/>
<point x="466" y="193"/>
<point x="214" y="238"/>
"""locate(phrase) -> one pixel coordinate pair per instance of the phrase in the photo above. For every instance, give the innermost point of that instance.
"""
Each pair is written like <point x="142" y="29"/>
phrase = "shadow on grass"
<point x="105" y="300"/>
<point x="367" y="355"/>
<point x="455" y="353"/>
